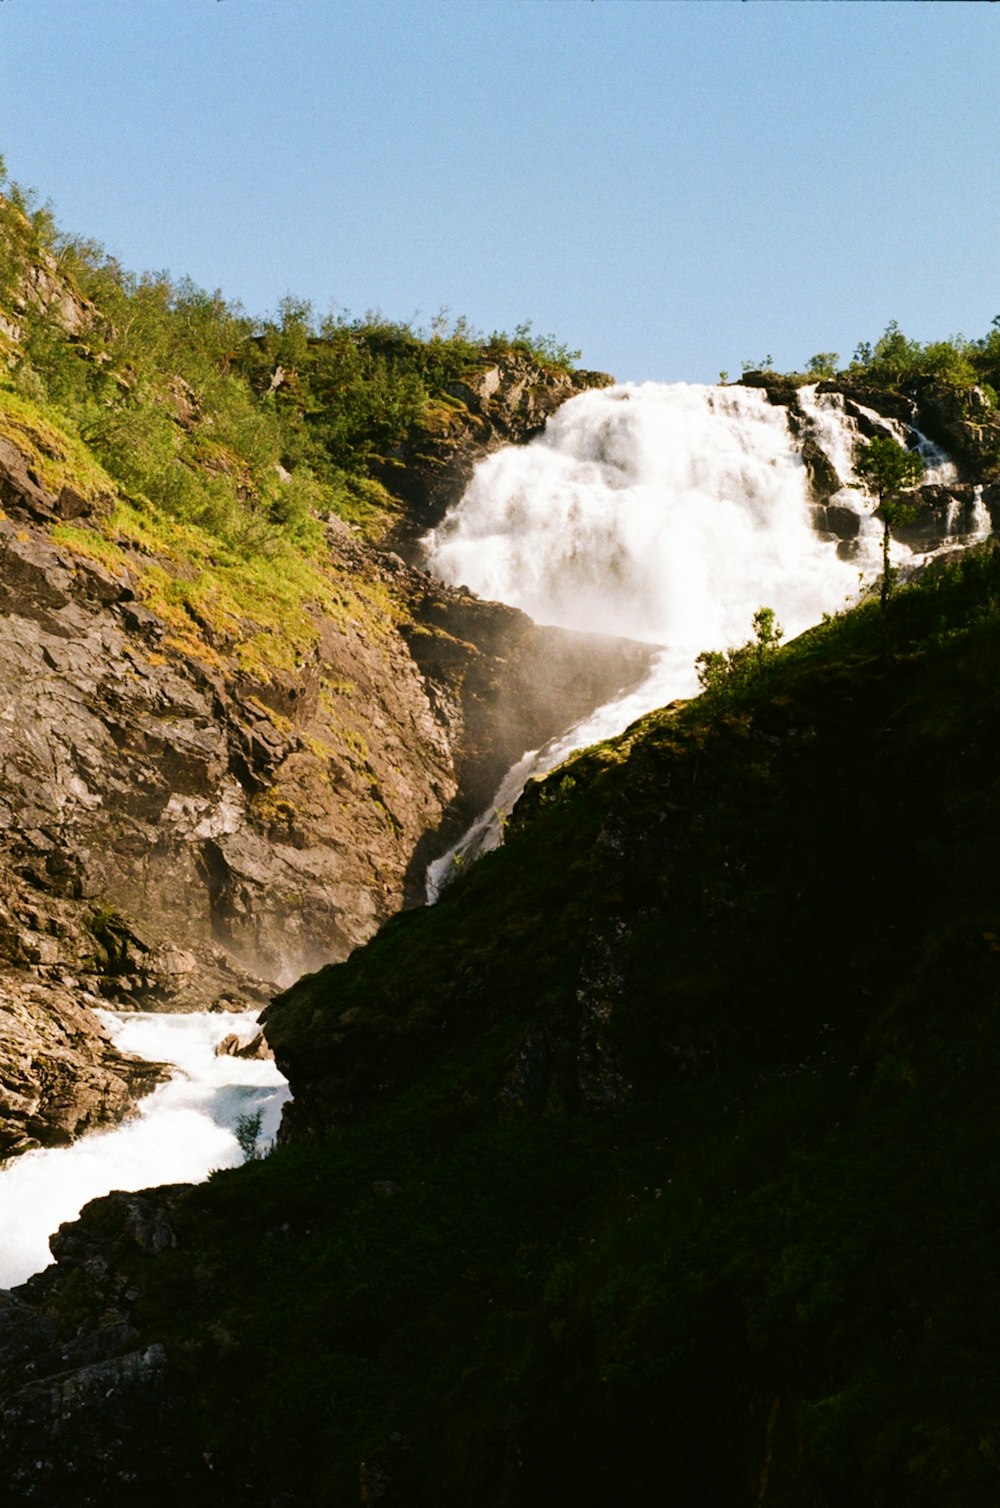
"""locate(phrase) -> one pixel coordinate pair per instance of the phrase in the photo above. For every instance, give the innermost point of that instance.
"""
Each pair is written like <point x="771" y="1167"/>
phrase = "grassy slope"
<point x="765" y="1267"/>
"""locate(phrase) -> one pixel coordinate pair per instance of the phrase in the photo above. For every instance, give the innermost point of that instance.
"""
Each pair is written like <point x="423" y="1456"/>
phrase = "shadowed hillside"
<point x="663" y="1145"/>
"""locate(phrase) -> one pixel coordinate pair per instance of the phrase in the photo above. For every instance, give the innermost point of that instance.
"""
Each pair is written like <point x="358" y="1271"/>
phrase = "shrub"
<point x="720" y="670"/>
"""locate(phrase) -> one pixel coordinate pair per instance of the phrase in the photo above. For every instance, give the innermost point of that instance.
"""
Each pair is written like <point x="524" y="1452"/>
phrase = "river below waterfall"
<point x="180" y="1133"/>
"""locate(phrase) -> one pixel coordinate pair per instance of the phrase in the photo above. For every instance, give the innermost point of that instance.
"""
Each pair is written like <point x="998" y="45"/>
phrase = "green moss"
<point x="57" y="458"/>
<point x="218" y="602"/>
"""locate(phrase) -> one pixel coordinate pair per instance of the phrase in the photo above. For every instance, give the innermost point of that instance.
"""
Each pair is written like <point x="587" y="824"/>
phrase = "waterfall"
<point x="665" y="513"/>
<point x="181" y="1132"/>
<point x="661" y="513"/>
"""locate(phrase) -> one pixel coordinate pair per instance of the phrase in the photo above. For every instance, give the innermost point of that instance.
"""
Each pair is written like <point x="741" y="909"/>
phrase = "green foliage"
<point x="720" y="670"/>
<point x="765" y="364"/>
<point x="214" y="447"/>
<point x="823" y="364"/>
<point x="895" y="359"/>
<point x="888" y="469"/>
<point x="247" y="1133"/>
<point x="545" y="349"/>
<point x="250" y="430"/>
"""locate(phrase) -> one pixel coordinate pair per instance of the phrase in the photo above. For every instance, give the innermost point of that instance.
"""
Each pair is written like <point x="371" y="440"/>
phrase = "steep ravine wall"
<point x="177" y="833"/>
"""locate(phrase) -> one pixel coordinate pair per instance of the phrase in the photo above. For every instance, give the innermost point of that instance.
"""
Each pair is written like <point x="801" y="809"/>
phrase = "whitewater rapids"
<point x="182" y="1131"/>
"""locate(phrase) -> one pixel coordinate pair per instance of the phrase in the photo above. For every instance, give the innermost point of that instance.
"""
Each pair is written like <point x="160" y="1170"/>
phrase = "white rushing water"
<point x="181" y="1132"/>
<point x="665" y="513"/>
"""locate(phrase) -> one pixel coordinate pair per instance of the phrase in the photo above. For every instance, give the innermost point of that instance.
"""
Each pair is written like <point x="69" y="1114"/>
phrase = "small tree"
<point x="823" y="364"/>
<point x="887" y="469"/>
<point x="247" y="1132"/>
<point x="724" y="669"/>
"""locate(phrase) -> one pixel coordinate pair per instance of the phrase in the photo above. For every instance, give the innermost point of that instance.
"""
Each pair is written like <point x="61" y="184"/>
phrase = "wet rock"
<point x="835" y="522"/>
<point x="60" y="1073"/>
<point x="859" y="396"/>
<point x="963" y="422"/>
<point x="940" y="512"/>
<point x="233" y="1046"/>
<point x="823" y="478"/>
<point x="781" y="391"/>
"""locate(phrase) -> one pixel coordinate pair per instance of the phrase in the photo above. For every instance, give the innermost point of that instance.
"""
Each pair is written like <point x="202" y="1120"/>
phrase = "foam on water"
<point x="182" y="1131"/>
<point x="666" y="513"/>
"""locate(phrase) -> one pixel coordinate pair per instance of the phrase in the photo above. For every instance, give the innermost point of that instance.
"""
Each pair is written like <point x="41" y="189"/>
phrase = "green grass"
<point x="219" y="603"/>
<point x="58" y="459"/>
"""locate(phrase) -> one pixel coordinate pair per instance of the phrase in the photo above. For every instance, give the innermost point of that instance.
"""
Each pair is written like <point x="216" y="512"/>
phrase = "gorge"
<point x="655" y="1151"/>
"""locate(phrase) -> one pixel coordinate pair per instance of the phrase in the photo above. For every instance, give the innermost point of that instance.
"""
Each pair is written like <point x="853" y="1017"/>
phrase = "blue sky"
<point x="672" y="187"/>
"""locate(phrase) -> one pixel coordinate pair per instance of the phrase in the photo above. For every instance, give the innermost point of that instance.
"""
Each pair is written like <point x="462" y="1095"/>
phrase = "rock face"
<point x="963" y="423"/>
<point x="40" y="285"/>
<point x="79" y="1413"/>
<point x="179" y="833"/>
<point x="270" y="821"/>
<point x="960" y="422"/>
<point x="60" y="1074"/>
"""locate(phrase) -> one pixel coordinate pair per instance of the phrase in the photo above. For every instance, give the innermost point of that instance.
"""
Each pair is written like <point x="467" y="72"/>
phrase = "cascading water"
<point x="182" y="1131"/>
<point x="837" y="435"/>
<point x="668" y="514"/>
<point x="654" y="512"/>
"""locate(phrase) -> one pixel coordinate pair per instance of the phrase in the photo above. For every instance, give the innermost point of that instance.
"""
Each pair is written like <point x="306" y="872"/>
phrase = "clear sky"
<point x="672" y="187"/>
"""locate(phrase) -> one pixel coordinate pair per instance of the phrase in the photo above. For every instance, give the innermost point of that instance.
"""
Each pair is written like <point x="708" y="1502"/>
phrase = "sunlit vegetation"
<point x="219" y="444"/>
<point x="720" y="670"/>
<point x="894" y="360"/>
<point x="890" y="471"/>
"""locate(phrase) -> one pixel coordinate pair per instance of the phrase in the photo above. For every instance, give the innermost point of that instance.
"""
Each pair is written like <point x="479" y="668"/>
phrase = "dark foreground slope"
<point x="656" y="1164"/>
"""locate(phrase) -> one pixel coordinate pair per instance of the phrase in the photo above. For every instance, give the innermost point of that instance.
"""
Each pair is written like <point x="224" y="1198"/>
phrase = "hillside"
<point x="656" y="1161"/>
<point x="677" y="1107"/>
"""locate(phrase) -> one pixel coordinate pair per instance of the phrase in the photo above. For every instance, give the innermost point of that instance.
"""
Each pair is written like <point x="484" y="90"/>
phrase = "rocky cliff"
<point x="500" y="404"/>
<point x="959" y="421"/>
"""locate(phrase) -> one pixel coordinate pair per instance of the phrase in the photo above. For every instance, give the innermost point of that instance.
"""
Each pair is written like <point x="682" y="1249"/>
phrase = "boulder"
<point x="234" y="1046"/>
